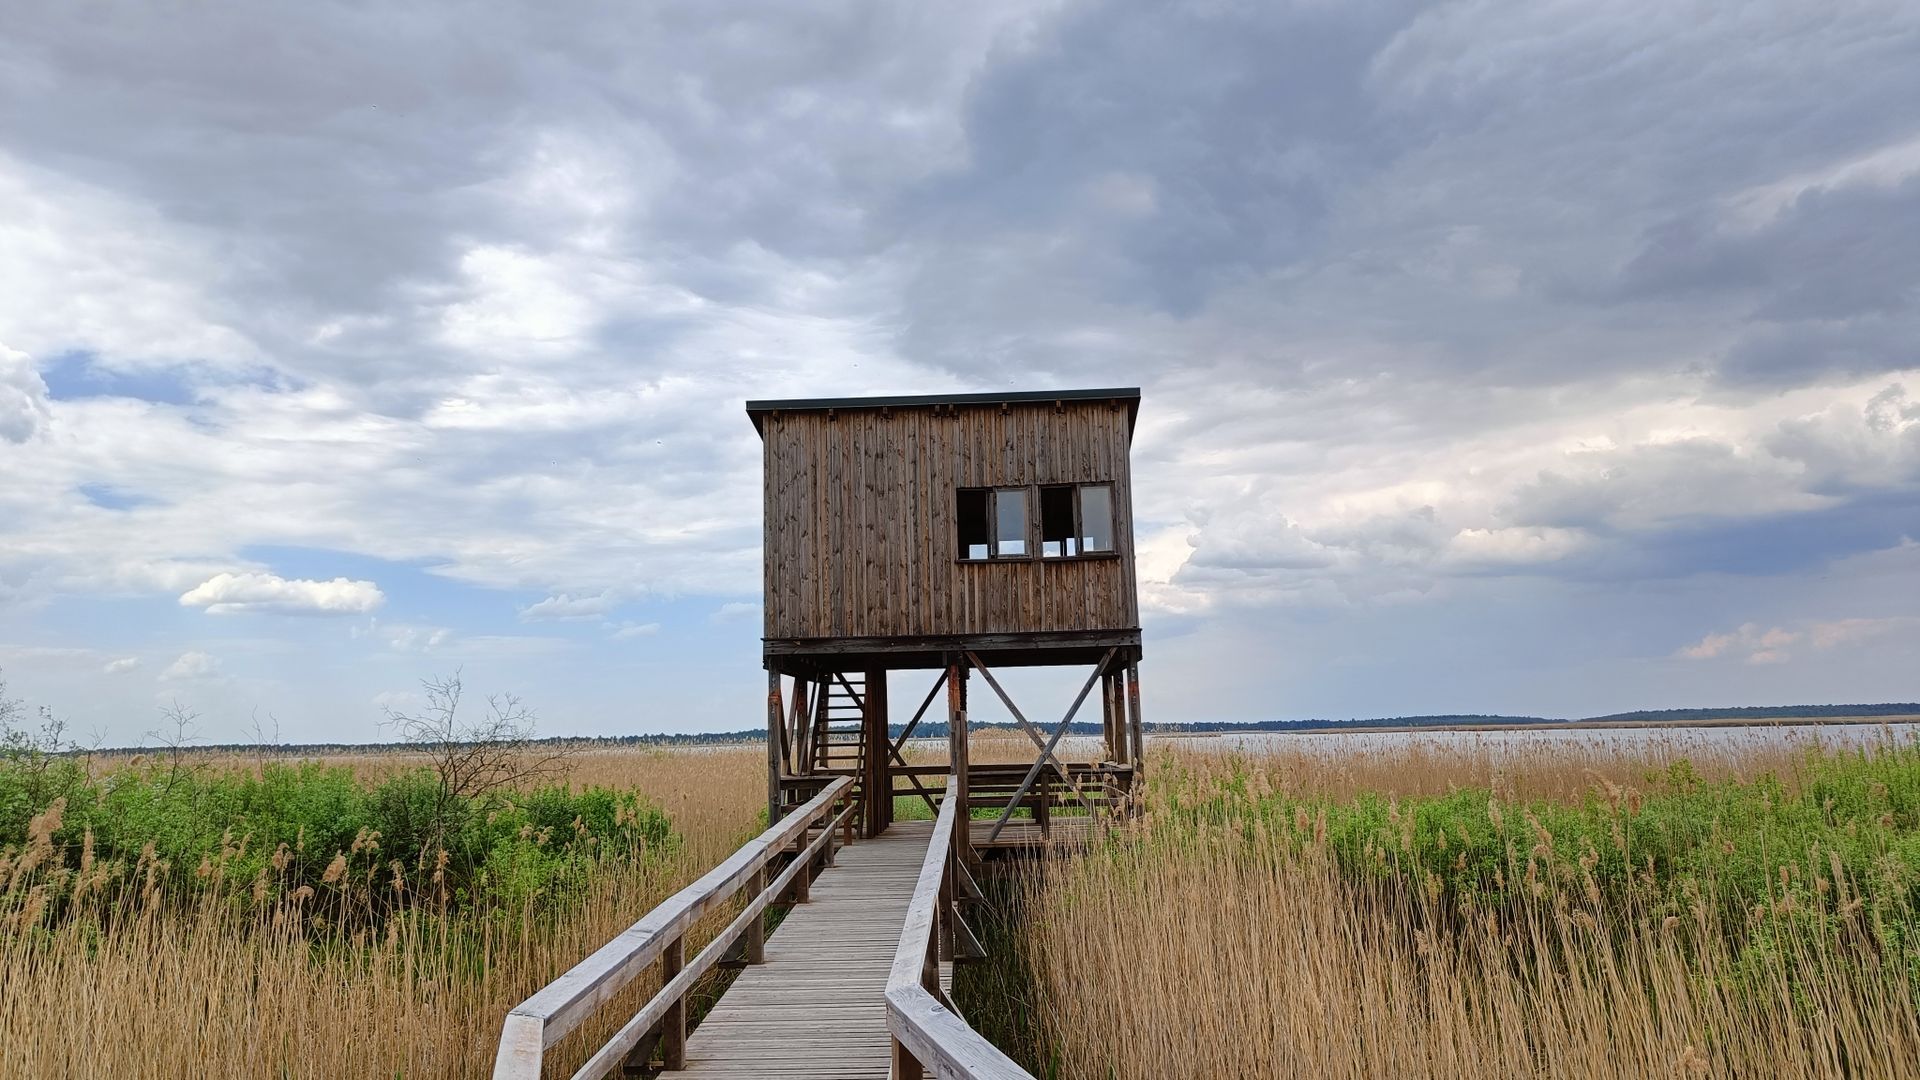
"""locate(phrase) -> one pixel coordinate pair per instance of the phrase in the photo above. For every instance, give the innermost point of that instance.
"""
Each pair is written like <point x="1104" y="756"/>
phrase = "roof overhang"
<point x="757" y="411"/>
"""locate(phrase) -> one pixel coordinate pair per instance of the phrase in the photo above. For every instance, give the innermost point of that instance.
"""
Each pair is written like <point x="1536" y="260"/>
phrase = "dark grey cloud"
<point x="1455" y="307"/>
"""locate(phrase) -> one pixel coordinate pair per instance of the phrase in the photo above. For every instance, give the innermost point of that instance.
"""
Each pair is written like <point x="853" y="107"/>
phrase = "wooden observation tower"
<point x="954" y="534"/>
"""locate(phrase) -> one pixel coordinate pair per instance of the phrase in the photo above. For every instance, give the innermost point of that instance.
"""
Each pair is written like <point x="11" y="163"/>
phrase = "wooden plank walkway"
<point x="817" y="1007"/>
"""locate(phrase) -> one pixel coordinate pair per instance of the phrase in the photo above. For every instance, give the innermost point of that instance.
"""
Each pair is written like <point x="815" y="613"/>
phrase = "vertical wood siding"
<point x="860" y="537"/>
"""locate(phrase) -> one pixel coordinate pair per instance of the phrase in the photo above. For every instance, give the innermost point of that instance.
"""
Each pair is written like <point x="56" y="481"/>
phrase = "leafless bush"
<point x="476" y="761"/>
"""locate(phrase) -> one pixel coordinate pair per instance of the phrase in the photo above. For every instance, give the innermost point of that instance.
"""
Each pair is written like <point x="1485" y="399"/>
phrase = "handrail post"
<point x="943" y="926"/>
<point x="673" y="1026"/>
<point x="905" y="1065"/>
<point x="803" y="881"/>
<point x="757" y="930"/>
<point x="564" y="1004"/>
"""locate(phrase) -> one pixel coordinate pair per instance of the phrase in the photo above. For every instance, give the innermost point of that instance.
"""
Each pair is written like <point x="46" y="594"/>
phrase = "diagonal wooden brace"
<point x="1046" y="748"/>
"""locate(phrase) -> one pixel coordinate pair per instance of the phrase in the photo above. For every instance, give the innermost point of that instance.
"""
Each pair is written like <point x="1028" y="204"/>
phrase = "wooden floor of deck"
<point x="1019" y="834"/>
<point x="817" y="1006"/>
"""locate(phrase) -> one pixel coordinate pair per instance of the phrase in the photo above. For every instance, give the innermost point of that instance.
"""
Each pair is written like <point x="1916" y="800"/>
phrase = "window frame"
<point x="1112" y="551"/>
<point x="993" y="494"/>
<point x="1036" y="548"/>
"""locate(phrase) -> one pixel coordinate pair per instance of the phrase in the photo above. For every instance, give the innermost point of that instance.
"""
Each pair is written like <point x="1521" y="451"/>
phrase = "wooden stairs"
<point x="839" y="730"/>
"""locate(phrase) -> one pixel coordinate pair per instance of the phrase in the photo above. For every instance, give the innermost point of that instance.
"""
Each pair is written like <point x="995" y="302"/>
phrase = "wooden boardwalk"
<point x="817" y="1006"/>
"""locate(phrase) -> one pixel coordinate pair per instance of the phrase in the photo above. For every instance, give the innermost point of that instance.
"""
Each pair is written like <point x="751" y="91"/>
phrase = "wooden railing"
<point x="564" y="1004"/>
<point x="929" y="1035"/>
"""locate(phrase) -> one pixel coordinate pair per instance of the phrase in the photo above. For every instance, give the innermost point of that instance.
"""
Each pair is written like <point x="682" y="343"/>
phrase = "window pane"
<point x="1056" y="522"/>
<point x="1096" y="517"/>
<point x="1010" y="521"/>
<point x="970" y="521"/>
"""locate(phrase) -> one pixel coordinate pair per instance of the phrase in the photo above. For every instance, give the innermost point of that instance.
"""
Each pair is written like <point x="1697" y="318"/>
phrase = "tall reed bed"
<point x="1265" y="920"/>
<point x="127" y="969"/>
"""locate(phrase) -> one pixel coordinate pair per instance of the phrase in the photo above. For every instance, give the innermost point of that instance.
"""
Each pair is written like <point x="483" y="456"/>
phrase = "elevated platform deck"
<point x="1064" y="832"/>
<point x="817" y="1007"/>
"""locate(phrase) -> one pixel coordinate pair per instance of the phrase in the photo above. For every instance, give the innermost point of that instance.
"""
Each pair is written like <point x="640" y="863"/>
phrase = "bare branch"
<point x="476" y="762"/>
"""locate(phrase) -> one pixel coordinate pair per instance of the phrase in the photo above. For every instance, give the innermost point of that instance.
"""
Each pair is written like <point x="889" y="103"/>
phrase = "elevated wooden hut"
<point x="957" y="533"/>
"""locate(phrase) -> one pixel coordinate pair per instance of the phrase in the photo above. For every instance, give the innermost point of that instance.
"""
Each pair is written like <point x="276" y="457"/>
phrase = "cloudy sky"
<point x="1502" y="355"/>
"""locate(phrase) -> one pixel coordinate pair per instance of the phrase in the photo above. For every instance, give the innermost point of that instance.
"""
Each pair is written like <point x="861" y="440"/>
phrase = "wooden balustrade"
<point x="929" y="1036"/>
<point x="564" y="1004"/>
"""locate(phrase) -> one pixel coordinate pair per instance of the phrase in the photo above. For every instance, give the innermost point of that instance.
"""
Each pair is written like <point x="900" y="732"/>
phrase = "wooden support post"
<point x="795" y="747"/>
<point x="807" y="725"/>
<point x="757" y="930"/>
<point x="1107" y="725"/>
<point x="775" y="718"/>
<point x="957" y="750"/>
<point x="803" y="881"/>
<point x="822" y="697"/>
<point x="878" y="783"/>
<point x="1137" y="727"/>
<point x="673" y="1026"/>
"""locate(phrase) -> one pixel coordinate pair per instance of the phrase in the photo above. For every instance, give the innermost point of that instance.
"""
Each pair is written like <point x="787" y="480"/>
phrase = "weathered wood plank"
<point x="817" y="1007"/>
<point x="933" y="1037"/>
<point x="860" y="537"/>
<point x="561" y="1005"/>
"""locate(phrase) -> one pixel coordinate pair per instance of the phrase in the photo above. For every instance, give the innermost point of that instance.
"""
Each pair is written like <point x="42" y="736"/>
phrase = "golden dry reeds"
<point x="231" y="983"/>
<point x="1243" y="945"/>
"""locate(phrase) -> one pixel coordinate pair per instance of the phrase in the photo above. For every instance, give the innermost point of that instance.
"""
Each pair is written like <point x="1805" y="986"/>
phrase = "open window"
<point x="1076" y="519"/>
<point x="991" y="523"/>
<point x="1059" y="530"/>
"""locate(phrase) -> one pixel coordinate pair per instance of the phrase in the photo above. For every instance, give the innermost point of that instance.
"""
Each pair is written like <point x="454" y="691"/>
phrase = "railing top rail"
<point x="562" y="1004"/>
<point x="931" y="1032"/>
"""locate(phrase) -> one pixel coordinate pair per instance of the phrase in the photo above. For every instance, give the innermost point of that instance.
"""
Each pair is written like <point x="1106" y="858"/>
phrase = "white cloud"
<point x="1832" y="635"/>
<point x="191" y="665"/>
<point x="735" y="611"/>
<point x="1512" y="547"/>
<point x="398" y="700"/>
<point x="1772" y="645"/>
<point x="121" y="666"/>
<point x="1708" y="647"/>
<point x="86" y="267"/>
<point x="23" y="397"/>
<point x="563" y="606"/>
<point x="1768" y="646"/>
<point x="405" y="637"/>
<point x="629" y="630"/>
<point x="229" y="594"/>
<point x="1883" y="167"/>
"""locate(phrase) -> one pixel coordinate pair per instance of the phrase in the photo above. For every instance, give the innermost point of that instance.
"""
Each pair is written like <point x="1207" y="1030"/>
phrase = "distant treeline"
<point x="1765" y="712"/>
<point x="938" y="729"/>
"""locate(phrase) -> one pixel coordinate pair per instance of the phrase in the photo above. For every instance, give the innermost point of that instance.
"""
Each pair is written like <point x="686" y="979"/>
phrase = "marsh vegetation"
<point x="181" y="914"/>
<point x="1431" y="909"/>
<point x="1448" y="912"/>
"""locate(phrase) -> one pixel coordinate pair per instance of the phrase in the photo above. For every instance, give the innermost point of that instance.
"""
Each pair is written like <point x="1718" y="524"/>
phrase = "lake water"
<point x="1693" y="742"/>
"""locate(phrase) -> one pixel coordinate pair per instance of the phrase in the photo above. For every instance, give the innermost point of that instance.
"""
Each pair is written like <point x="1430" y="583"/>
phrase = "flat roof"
<point x="1128" y="394"/>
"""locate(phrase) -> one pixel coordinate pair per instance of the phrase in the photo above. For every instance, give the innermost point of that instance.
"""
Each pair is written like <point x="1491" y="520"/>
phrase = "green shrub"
<point x="290" y="823"/>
